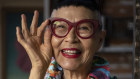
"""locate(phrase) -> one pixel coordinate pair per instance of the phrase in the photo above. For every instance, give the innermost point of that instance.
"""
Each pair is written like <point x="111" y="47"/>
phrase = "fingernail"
<point x="22" y="15"/>
<point x="34" y="11"/>
<point x="46" y="21"/>
<point x="17" y="28"/>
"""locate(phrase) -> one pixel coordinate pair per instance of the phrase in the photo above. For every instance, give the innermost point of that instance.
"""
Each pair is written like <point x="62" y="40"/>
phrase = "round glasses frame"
<point x="75" y="24"/>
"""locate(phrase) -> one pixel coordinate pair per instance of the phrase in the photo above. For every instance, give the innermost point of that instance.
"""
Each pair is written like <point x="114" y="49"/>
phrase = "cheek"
<point x="90" y="47"/>
<point x="56" y="42"/>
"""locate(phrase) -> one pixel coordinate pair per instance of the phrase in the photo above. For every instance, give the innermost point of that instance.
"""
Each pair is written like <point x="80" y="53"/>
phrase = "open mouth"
<point x="71" y="52"/>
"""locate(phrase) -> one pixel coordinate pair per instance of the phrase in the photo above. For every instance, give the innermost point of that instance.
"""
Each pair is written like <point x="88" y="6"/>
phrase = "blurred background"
<point x="117" y="18"/>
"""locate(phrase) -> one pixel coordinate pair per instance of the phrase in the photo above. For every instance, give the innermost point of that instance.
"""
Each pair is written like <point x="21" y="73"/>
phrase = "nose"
<point x="71" y="36"/>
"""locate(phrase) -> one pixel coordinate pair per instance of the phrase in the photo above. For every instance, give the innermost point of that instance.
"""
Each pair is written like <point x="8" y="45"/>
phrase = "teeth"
<point x="70" y="52"/>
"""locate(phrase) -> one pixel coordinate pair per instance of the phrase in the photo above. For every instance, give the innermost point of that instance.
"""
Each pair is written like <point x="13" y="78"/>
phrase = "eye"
<point x="87" y="26"/>
<point x="60" y="26"/>
<point x="83" y="28"/>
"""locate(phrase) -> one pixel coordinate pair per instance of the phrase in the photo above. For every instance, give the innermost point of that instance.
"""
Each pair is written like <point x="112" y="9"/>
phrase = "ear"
<point x="101" y="37"/>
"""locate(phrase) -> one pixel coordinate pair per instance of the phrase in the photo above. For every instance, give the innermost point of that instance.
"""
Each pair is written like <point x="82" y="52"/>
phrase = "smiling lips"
<point x="71" y="52"/>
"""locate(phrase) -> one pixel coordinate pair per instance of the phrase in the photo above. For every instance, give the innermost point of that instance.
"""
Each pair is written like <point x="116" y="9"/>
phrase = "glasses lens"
<point x="60" y="28"/>
<point x="85" y="29"/>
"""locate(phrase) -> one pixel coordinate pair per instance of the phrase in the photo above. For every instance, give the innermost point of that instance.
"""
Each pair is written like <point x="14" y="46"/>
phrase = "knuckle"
<point x="32" y="26"/>
<point x="38" y="29"/>
<point x="19" y="40"/>
<point x="23" y="31"/>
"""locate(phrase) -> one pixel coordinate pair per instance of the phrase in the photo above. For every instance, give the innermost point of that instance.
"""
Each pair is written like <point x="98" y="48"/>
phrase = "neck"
<point x="81" y="73"/>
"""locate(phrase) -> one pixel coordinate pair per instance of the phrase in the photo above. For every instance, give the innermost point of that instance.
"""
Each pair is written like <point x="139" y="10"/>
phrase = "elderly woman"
<point x="69" y="45"/>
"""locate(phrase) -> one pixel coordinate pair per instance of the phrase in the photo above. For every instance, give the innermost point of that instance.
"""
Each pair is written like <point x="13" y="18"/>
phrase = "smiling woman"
<point x="69" y="44"/>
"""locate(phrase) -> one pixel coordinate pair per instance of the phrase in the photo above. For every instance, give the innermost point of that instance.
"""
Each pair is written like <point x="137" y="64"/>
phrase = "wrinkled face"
<point x="72" y="52"/>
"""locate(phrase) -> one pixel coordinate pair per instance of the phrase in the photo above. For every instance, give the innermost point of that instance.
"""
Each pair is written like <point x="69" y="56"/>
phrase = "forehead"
<point x="73" y="13"/>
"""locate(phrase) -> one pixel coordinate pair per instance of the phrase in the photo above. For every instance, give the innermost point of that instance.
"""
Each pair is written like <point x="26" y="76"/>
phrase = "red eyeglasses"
<point x="85" y="28"/>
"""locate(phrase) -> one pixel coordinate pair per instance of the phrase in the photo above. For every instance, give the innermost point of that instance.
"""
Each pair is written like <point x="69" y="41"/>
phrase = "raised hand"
<point x="39" y="52"/>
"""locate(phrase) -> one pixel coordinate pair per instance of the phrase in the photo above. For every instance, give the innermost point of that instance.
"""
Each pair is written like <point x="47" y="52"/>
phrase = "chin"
<point x="70" y="66"/>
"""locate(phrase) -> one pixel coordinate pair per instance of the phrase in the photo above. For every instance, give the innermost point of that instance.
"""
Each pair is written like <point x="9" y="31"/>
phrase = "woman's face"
<point x="73" y="52"/>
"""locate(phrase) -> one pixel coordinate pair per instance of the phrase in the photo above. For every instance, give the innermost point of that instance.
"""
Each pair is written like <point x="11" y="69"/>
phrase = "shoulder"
<point x="101" y="68"/>
<point x="99" y="61"/>
<point x="54" y="70"/>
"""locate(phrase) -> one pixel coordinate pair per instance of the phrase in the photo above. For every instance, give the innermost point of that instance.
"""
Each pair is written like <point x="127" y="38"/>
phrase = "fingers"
<point x="47" y="37"/>
<point x="40" y="29"/>
<point x="33" y="28"/>
<point x="33" y="56"/>
<point x="25" y="30"/>
<point x="19" y="36"/>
